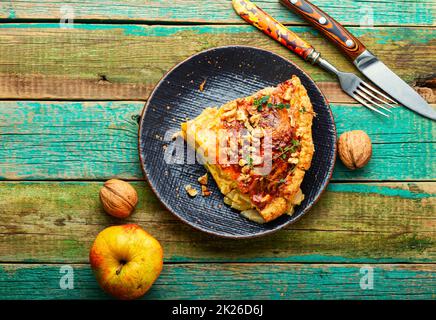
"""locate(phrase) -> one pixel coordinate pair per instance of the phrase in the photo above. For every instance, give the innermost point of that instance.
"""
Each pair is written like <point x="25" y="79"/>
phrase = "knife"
<point x="363" y="59"/>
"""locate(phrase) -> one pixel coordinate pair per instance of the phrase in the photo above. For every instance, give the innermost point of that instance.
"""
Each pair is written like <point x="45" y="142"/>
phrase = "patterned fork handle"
<point x="260" y="19"/>
<point x="328" y="26"/>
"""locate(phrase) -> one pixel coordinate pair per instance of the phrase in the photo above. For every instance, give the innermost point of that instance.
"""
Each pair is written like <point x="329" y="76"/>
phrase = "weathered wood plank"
<point x="113" y="62"/>
<point x="57" y="223"/>
<point x="98" y="140"/>
<point x="385" y="12"/>
<point x="234" y="281"/>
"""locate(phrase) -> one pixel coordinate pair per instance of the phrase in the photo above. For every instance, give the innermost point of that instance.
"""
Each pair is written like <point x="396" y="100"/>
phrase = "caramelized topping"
<point x="251" y="119"/>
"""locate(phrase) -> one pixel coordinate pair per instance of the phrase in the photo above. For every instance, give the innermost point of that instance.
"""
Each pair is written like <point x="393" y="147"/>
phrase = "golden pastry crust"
<point x="280" y="118"/>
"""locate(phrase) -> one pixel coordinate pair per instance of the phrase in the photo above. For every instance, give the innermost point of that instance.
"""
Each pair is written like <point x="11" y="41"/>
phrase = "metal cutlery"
<point x="363" y="59"/>
<point x="350" y="83"/>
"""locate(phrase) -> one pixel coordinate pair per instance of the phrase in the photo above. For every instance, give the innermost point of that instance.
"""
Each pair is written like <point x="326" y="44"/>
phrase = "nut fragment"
<point x="242" y="162"/>
<point x="254" y="119"/>
<point x="266" y="198"/>
<point x="246" y="169"/>
<point x="229" y="115"/>
<point x="244" y="178"/>
<point x="288" y="94"/>
<point x="252" y="110"/>
<point x="355" y="149"/>
<point x="230" y="106"/>
<point x="241" y="115"/>
<point x="293" y="160"/>
<point x="191" y="191"/>
<point x="258" y="133"/>
<point x="118" y="198"/>
<point x="248" y="126"/>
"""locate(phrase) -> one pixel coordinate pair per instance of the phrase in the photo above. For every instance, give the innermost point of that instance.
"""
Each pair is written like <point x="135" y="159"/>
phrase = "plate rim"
<point x="209" y="232"/>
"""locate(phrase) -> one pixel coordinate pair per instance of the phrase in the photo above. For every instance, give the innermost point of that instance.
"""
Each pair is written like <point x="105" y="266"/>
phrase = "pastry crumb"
<point x="203" y="179"/>
<point x="201" y="87"/>
<point x="192" y="192"/>
<point x="205" y="191"/>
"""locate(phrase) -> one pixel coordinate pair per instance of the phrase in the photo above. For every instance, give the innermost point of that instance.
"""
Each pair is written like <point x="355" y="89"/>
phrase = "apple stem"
<point x="122" y="263"/>
<point x="119" y="270"/>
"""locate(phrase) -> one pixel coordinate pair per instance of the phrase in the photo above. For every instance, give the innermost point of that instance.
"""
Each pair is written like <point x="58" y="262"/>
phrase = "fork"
<point x="357" y="88"/>
<point x="351" y="84"/>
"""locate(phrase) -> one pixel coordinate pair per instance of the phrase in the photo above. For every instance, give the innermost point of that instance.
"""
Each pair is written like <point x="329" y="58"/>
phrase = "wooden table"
<point x="70" y="95"/>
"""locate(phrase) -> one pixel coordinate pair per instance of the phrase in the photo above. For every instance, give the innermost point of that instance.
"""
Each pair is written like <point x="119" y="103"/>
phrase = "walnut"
<point x="118" y="198"/>
<point x="355" y="149"/>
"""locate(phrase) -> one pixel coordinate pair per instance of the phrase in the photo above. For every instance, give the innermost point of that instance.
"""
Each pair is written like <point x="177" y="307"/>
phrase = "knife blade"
<point x="363" y="59"/>
<point x="385" y="78"/>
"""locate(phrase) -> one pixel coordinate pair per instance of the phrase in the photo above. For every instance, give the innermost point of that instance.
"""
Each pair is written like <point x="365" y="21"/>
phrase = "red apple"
<point x="126" y="261"/>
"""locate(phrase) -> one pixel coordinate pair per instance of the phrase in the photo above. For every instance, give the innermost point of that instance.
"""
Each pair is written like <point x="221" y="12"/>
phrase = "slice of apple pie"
<point x="258" y="149"/>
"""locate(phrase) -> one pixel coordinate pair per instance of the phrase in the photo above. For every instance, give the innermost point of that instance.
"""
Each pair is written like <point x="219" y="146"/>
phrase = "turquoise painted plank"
<point x="69" y="140"/>
<point x="414" y="35"/>
<point x="384" y="12"/>
<point x="98" y="140"/>
<point x="89" y="67"/>
<point x="56" y="222"/>
<point x="233" y="281"/>
<point x="412" y="193"/>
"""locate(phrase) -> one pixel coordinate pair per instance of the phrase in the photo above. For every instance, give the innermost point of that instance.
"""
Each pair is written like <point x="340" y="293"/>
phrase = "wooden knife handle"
<point x="349" y="44"/>
<point x="264" y="22"/>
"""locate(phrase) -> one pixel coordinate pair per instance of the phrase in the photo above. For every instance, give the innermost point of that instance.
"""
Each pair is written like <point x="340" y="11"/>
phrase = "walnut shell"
<point x="118" y="198"/>
<point x="355" y="149"/>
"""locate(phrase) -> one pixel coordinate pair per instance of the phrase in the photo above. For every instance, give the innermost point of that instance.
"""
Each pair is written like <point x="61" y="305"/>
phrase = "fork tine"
<point x="362" y="101"/>
<point x="379" y="93"/>
<point x="375" y="97"/>
<point x="368" y="99"/>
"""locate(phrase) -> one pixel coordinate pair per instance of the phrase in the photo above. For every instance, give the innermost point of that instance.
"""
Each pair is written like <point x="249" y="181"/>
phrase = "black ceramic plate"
<point x="230" y="72"/>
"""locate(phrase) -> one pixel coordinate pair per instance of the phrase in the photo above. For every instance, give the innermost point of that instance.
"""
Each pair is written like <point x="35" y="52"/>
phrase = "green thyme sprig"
<point x="279" y="106"/>
<point x="288" y="149"/>
<point x="250" y="162"/>
<point x="259" y="104"/>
